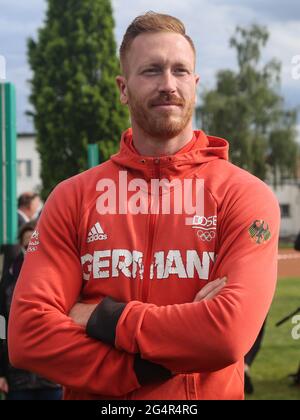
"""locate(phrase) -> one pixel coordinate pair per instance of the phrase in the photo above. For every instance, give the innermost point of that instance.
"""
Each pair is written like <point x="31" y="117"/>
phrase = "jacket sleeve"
<point x="210" y="335"/>
<point x="42" y="338"/>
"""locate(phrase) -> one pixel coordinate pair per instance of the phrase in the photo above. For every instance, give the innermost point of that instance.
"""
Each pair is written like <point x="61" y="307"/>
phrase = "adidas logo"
<point x="96" y="234"/>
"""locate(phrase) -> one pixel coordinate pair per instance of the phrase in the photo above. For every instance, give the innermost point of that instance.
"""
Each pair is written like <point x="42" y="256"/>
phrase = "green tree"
<point x="73" y="92"/>
<point x="247" y="109"/>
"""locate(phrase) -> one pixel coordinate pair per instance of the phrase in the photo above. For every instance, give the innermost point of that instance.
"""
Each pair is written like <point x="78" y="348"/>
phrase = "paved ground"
<point x="288" y="263"/>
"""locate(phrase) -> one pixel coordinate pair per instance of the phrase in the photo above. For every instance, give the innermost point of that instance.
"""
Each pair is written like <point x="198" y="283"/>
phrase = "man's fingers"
<point x="211" y="286"/>
<point x="3" y="385"/>
<point x="211" y="289"/>
<point x="214" y="292"/>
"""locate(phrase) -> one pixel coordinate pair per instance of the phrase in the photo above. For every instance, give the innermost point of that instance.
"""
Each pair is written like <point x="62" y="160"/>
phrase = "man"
<point x="156" y="317"/>
<point x="18" y="384"/>
<point x="28" y="206"/>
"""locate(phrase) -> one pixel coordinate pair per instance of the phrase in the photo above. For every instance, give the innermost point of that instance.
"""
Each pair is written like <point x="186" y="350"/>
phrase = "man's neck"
<point x="147" y="145"/>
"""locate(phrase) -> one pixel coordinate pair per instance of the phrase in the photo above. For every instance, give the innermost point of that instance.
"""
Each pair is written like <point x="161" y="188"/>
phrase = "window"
<point x="285" y="211"/>
<point x="24" y="168"/>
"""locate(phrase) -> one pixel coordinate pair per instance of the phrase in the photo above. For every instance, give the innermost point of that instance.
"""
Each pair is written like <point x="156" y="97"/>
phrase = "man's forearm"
<point x="83" y="314"/>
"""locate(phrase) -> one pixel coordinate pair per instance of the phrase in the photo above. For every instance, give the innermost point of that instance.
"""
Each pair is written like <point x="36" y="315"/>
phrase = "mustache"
<point x="167" y="99"/>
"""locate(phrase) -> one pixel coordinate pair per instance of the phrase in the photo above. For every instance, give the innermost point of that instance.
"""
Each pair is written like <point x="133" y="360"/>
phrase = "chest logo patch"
<point x="206" y="227"/>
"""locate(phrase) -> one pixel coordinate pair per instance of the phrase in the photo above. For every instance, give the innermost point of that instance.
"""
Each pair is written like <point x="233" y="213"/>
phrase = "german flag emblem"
<point x="259" y="232"/>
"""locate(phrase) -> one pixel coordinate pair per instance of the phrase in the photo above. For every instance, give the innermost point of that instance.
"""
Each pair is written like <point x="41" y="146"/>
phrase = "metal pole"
<point x="93" y="155"/>
<point x="8" y="205"/>
<point x="11" y="170"/>
<point x="3" y="166"/>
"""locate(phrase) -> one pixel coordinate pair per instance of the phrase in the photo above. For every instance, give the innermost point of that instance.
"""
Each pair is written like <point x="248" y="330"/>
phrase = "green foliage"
<point x="74" y="95"/>
<point x="279" y="355"/>
<point x="246" y="108"/>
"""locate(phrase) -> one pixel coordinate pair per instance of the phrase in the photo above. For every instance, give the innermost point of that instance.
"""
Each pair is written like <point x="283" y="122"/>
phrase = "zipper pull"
<point x="157" y="167"/>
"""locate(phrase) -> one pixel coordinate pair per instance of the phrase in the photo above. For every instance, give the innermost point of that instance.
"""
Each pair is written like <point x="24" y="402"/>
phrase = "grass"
<point x="280" y="353"/>
<point x="286" y="245"/>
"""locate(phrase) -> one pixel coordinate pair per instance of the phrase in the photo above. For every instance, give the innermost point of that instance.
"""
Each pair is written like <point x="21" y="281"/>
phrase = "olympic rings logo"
<point x="206" y="236"/>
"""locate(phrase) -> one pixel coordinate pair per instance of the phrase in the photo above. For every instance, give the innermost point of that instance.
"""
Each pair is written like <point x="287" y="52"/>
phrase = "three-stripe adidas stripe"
<point x="96" y="234"/>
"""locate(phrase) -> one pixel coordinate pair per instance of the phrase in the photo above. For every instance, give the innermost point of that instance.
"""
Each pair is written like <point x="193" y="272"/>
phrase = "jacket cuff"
<point x="148" y="372"/>
<point x="103" y="322"/>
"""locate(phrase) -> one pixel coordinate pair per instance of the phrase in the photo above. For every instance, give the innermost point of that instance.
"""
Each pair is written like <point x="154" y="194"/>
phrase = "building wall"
<point x="289" y="199"/>
<point x="28" y="164"/>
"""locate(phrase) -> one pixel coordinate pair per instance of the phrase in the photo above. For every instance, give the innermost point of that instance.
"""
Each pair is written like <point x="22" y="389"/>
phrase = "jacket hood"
<point x="199" y="150"/>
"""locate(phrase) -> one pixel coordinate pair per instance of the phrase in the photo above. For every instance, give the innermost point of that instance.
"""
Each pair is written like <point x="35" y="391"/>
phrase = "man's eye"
<point x="151" y="71"/>
<point x="181" y="71"/>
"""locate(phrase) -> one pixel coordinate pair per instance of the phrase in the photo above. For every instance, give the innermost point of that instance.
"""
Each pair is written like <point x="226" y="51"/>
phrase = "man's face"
<point x="34" y="206"/>
<point x="159" y="85"/>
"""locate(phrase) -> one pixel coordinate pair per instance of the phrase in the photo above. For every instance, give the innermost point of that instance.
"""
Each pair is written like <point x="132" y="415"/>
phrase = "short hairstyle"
<point x="26" y="198"/>
<point x="27" y="227"/>
<point x="152" y="22"/>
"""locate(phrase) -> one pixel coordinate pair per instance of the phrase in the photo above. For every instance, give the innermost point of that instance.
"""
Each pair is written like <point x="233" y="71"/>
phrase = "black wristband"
<point x="103" y="322"/>
<point x="148" y="372"/>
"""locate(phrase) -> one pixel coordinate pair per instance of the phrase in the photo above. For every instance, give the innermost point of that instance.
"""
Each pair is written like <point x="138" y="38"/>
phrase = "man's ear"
<point x="197" y="80"/>
<point x="122" y="85"/>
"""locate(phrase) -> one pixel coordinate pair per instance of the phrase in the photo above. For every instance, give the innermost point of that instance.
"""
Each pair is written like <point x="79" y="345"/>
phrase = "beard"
<point x="165" y="124"/>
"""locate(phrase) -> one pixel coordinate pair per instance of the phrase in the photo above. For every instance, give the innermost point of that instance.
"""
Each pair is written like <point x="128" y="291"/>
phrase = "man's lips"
<point x="166" y="105"/>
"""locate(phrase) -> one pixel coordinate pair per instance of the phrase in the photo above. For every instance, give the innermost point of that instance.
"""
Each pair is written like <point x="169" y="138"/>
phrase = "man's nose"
<point x="167" y="82"/>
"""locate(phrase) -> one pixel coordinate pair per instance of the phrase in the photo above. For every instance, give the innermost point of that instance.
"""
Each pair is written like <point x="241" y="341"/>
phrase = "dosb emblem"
<point x="206" y="227"/>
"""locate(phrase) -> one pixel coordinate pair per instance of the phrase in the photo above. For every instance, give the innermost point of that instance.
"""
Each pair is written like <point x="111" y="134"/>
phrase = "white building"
<point x="289" y="199"/>
<point x="28" y="164"/>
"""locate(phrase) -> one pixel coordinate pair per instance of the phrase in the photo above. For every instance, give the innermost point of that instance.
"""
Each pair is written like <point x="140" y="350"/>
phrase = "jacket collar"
<point x="201" y="149"/>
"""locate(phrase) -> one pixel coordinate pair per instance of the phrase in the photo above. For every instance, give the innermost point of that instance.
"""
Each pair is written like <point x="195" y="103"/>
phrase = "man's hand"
<point x="81" y="312"/>
<point x="3" y="385"/>
<point x="211" y="290"/>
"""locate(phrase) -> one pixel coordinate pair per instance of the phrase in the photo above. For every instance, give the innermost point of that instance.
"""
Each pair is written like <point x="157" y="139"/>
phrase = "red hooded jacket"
<point x="155" y="263"/>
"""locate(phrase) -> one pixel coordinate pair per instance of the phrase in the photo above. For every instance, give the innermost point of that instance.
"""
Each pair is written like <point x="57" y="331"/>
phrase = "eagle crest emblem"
<point x="259" y="232"/>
